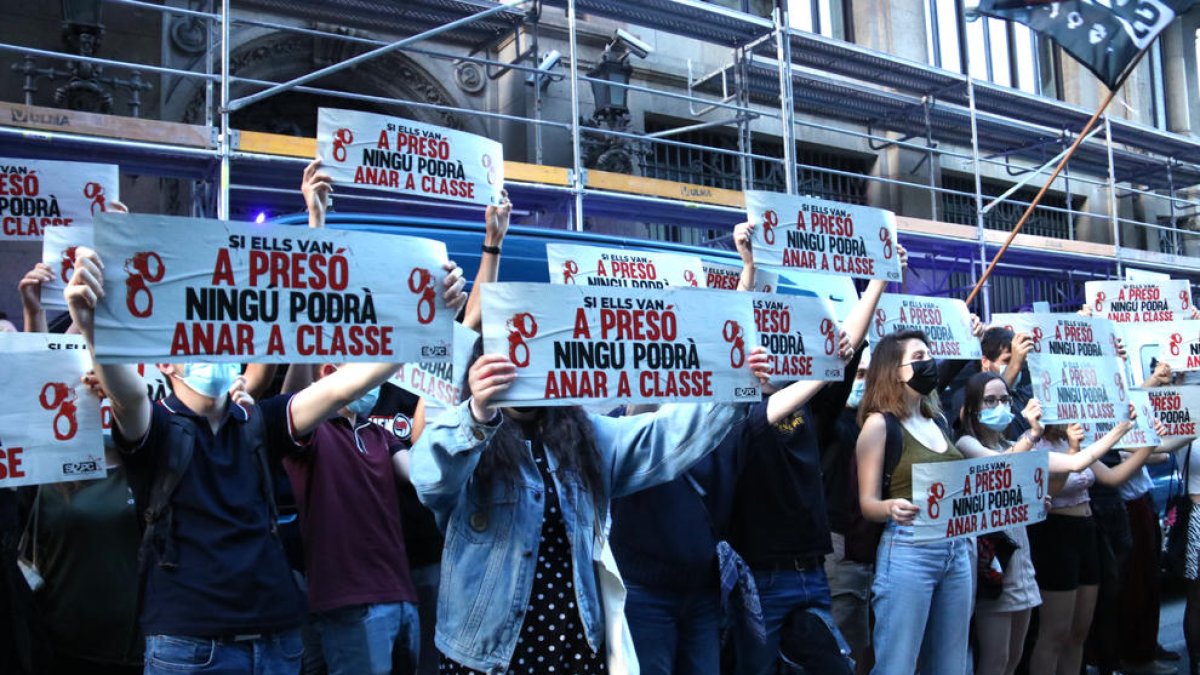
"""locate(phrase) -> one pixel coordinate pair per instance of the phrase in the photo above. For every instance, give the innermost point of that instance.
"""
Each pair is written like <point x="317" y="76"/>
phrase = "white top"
<point x="1137" y="485"/>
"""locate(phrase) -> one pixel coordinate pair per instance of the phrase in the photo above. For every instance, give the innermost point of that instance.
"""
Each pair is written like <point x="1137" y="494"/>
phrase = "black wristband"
<point x="494" y="250"/>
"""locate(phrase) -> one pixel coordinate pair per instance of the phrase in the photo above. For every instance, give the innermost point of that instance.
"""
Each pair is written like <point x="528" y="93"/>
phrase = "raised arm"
<point x="126" y="389"/>
<point x="743" y="242"/>
<point x="870" y="455"/>
<point x="316" y="188"/>
<point x="1089" y="456"/>
<point x="859" y="320"/>
<point x="495" y="219"/>
<point x="30" y="287"/>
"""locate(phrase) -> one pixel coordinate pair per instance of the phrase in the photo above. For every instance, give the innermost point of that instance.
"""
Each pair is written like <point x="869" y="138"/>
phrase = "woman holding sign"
<point x="521" y="494"/>
<point x="922" y="592"/>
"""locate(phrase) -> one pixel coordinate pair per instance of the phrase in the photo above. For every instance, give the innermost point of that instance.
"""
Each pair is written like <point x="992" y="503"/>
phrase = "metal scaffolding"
<point x="778" y="86"/>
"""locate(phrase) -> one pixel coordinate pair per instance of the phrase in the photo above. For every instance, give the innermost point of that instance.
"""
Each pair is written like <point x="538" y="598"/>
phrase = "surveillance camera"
<point x="548" y="63"/>
<point x="631" y="43"/>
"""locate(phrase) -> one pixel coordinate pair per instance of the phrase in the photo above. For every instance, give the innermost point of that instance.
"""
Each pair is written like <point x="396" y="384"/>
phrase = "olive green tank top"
<point x="914" y="452"/>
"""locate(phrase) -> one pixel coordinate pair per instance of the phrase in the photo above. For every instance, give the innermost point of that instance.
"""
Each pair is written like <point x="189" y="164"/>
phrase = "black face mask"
<point x="924" y="377"/>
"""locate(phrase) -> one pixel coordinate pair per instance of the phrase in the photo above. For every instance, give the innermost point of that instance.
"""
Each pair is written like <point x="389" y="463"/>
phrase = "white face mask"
<point x="856" y="393"/>
<point x="212" y="380"/>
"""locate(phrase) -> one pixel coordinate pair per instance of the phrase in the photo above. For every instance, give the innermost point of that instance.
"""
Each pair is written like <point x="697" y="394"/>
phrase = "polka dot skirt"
<point x="552" y="638"/>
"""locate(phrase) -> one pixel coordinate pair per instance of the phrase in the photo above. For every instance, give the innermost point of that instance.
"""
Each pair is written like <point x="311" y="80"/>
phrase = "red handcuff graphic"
<point x="1119" y="381"/>
<point x="1183" y="296"/>
<point x="1040" y="479"/>
<point x="880" y="321"/>
<point x="937" y="492"/>
<point x="491" y="169"/>
<point x="63" y="398"/>
<point x="733" y="334"/>
<point x="1176" y="340"/>
<point x="95" y="192"/>
<point x="570" y="269"/>
<point x="690" y="277"/>
<point x="68" y="263"/>
<point x="420" y="281"/>
<point x="1036" y="334"/>
<point x="827" y="329"/>
<point x="886" y="238"/>
<point x="1101" y="296"/>
<point x="521" y="326"/>
<point x="140" y="271"/>
<point x="770" y="222"/>
<point x="341" y="139"/>
<point x="1046" y="383"/>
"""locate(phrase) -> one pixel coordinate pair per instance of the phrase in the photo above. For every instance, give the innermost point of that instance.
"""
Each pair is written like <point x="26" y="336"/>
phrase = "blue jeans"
<point x="923" y="598"/>
<point x="780" y="592"/>
<point x="277" y="654"/>
<point x="675" y="631"/>
<point x="358" y="640"/>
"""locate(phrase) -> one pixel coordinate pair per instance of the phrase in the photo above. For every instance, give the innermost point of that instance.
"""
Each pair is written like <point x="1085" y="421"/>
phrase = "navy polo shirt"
<point x="233" y="577"/>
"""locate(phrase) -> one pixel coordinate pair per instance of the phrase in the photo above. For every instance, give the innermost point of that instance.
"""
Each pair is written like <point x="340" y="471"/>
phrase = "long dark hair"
<point x="973" y="404"/>
<point x="564" y="430"/>
<point x="885" y="393"/>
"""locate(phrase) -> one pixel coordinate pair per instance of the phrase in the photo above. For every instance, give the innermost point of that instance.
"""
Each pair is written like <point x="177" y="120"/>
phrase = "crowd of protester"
<point x="314" y="519"/>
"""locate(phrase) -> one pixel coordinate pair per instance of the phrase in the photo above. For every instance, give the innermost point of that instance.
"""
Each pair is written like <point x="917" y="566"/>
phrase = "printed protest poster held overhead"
<point x="822" y="236"/>
<point x="1140" y="301"/>
<point x="58" y="253"/>
<point x="945" y="321"/>
<point x="579" y="345"/>
<point x="969" y="497"/>
<point x="405" y="157"/>
<point x="838" y="289"/>
<point x="1177" y="408"/>
<point x="1180" y="344"/>
<point x="727" y="277"/>
<point x="623" y="268"/>
<point x="440" y="384"/>
<point x="1077" y="373"/>
<point x="187" y="289"/>
<point x="801" y="334"/>
<point x="50" y="425"/>
<point x="1141" y="435"/>
<point x="36" y="194"/>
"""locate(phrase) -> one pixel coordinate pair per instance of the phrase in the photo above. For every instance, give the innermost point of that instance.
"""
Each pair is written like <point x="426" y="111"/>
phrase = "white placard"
<point x="58" y="252"/>
<point x="187" y="289"/>
<point x="36" y="194"/>
<point x="622" y="268"/>
<point x="816" y="235"/>
<point x="1180" y="344"/>
<point x="801" y="334"/>
<point x="840" y="290"/>
<point x="970" y="497"/>
<point x="396" y="155"/>
<point x="440" y="384"/>
<point x="1140" y="301"/>
<point x="945" y="321"/>
<point x="1077" y="373"/>
<point x="1141" y="435"/>
<point x="1176" y="407"/>
<point x="727" y="277"/>
<point x="50" y="426"/>
<point x="574" y="344"/>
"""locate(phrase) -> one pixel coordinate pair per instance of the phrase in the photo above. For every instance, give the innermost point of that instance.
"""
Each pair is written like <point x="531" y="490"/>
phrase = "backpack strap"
<point x="254" y="435"/>
<point x="893" y="448"/>
<point x="158" y="517"/>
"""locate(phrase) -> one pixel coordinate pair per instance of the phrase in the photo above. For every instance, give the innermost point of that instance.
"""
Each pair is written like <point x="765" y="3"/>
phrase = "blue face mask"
<point x="363" y="406"/>
<point x="856" y="393"/>
<point x="997" y="418"/>
<point x="210" y="379"/>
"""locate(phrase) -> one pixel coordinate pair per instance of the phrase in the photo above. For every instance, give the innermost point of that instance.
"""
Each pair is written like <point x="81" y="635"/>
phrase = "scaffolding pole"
<point x="985" y="312"/>
<point x="786" y="98"/>
<point x="1112" y="196"/>
<point x="577" y="180"/>
<point x="225" y="142"/>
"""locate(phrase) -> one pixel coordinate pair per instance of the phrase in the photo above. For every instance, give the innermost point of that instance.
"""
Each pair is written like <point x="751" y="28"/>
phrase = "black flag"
<point x="1104" y="35"/>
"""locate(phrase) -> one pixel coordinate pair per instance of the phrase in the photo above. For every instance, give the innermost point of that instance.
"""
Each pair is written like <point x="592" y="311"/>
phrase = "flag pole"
<point x="1083" y="134"/>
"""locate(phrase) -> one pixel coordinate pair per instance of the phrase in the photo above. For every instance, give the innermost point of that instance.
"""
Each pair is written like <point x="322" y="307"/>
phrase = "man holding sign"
<point x="218" y="589"/>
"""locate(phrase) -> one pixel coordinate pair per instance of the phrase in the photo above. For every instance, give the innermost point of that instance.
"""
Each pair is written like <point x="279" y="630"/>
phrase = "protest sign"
<point x="36" y="194"/>
<point x="1180" y="344"/>
<point x="187" y="289"/>
<point x="727" y="277"/>
<point x="1077" y="373"/>
<point x="1141" y="435"/>
<point x="801" y="334"/>
<point x="393" y="154"/>
<point x="945" y="321"/>
<point x="969" y="497"/>
<point x="823" y="236"/>
<point x="840" y="290"/>
<point x="50" y="425"/>
<point x="1140" y="301"/>
<point x="1177" y="407"/>
<point x="440" y="384"/>
<point x="575" y="345"/>
<point x="58" y="253"/>
<point x="624" y="268"/>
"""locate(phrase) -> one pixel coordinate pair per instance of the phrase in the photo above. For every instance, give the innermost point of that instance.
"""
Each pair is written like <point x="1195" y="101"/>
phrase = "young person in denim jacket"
<point x="518" y="493"/>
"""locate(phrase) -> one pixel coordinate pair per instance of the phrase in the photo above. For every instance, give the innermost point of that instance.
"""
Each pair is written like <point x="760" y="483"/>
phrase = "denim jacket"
<point x="489" y="560"/>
